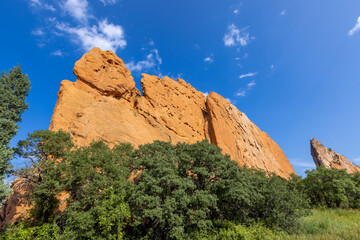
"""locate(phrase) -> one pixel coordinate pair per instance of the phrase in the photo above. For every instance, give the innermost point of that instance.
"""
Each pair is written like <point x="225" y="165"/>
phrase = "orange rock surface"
<point x="16" y="206"/>
<point x="232" y="131"/>
<point x="328" y="158"/>
<point x="104" y="104"/>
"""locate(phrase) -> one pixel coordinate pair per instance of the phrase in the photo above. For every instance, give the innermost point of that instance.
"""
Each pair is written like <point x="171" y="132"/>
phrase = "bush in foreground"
<point x="159" y="191"/>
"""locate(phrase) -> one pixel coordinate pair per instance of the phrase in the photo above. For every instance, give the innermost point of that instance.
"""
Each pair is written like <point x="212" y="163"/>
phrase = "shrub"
<point x="95" y="177"/>
<point x="329" y="187"/>
<point x="185" y="188"/>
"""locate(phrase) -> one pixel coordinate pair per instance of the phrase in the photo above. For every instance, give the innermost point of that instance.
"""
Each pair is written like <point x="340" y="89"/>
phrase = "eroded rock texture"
<point x="328" y="158"/>
<point x="16" y="206"/>
<point x="104" y="104"/>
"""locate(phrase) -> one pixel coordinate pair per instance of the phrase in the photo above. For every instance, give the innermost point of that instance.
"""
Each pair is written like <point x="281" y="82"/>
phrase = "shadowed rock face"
<point x="104" y="104"/>
<point x="328" y="158"/>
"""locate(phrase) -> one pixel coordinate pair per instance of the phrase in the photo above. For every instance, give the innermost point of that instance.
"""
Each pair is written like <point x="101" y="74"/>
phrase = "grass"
<point x="328" y="224"/>
<point x="322" y="224"/>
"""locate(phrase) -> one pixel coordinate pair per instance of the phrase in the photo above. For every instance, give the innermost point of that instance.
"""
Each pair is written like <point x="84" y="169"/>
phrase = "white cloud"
<point x="231" y="101"/>
<point x="236" y="11"/>
<point x="78" y="9"/>
<point x="49" y="7"/>
<point x="57" y="53"/>
<point x="37" y="32"/>
<point x="106" y="2"/>
<point x="106" y="36"/>
<point x="355" y="28"/>
<point x="272" y="67"/>
<point x="152" y="60"/>
<point x="209" y="60"/>
<point x="250" y="74"/>
<point x="283" y="12"/>
<point x="35" y="3"/>
<point x="236" y="37"/>
<point x="251" y="84"/>
<point x="205" y="93"/>
<point x="39" y="4"/>
<point x="241" y="93"/>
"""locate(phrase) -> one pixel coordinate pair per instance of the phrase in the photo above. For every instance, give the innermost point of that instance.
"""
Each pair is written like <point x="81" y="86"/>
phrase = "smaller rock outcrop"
<point x="328" y="158"/>
<point x="16" y="206"/>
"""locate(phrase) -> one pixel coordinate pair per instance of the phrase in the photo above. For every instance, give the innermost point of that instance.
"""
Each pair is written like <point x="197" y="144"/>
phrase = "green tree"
<point x="330" y="187"/>
<point x="173" y="194"/>
<point x="191" y="188"/>
<point x="42" y="151"/>
<point x="95" y="179"/>
<point x="14" y="88"/>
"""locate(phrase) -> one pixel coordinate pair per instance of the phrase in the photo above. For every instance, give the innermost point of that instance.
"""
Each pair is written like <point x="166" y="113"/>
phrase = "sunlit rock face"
<point x="104" y="104"/>
<point x="328" y="158"/>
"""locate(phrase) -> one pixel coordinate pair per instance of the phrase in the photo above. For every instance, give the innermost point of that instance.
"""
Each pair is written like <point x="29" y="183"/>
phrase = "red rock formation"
<point x="328" y="158"/>
<point x="104" y="104"/>
<point x="16" y="206"/>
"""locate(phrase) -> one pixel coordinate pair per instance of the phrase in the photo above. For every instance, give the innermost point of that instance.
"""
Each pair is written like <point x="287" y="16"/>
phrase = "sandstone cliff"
<point x="104" y="104"/>
<point x="328" y="158"/>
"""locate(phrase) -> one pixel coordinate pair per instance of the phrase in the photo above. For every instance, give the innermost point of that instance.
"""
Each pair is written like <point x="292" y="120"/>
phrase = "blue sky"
<point x="292" y="66"/>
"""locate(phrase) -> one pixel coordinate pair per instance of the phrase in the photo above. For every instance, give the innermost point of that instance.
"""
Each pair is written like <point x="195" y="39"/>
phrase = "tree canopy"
<point x="14" y="88"/>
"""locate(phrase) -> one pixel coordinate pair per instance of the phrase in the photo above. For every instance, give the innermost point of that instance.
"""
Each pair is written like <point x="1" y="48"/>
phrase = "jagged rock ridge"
<point x="328" y="158"/>
<point x="104" y="104"/>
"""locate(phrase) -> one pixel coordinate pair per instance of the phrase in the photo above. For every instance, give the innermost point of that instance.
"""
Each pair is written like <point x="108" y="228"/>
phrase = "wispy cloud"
<point x="205" y="93"/>
<point x="283" y="12"/>
<point x="236" y="37"/>
<point x="209" y="59"/>
<point x="243" y="91"/>
<point x="250" y="74"/>
<point x="108" y="2"/>
<point x="82" y="28"/>
<point x="37" y="32"/>
<point x="57" y="53"/>
<point x="40" y="5"/>
<point x="151" y="61"/>
<point x="233" y="102"/>
<point x="78" y="9"/>
<point x="236" y="11"/>
<point x="105" y="35"/>
<point x="355" y="28"/>
<point x="251" y="84"/>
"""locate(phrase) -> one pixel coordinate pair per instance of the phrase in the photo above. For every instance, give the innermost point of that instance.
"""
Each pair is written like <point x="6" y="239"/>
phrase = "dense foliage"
<point x="331" y="188"/>
<point x="91" y="181"/>
<point x="14" y="88"/>
<point x="158" y="191"/>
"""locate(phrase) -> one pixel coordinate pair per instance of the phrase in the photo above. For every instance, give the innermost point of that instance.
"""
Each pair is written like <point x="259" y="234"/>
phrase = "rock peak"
<point x="328" y="158"/>
<point x="104" y="104"/>
<point x="106" y="72"/>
